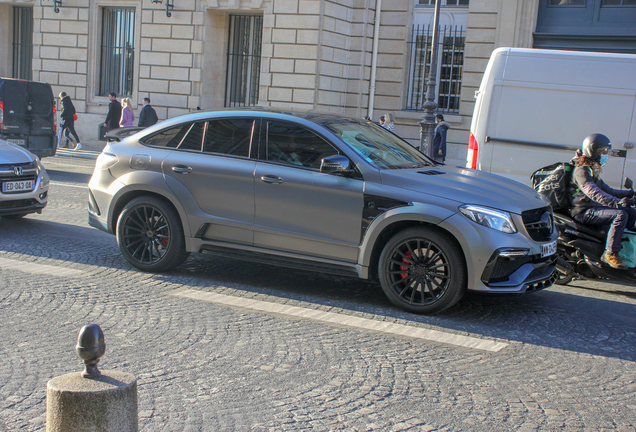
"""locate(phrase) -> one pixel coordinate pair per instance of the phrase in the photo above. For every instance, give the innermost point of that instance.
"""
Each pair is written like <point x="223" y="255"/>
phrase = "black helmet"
<point x="593" y="144"/>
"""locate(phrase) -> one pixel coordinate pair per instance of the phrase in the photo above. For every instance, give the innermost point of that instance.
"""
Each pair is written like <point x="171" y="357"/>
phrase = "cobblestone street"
<point x="568" y="361"/>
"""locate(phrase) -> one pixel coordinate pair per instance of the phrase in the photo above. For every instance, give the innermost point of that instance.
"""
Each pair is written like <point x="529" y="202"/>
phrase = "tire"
<point x="432" y="282"/>
<point x="150" y="235"/>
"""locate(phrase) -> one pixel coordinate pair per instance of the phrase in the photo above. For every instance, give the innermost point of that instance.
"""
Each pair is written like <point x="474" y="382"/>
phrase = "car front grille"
<point x="538" y="223"/>
<point x="21" y="171"/>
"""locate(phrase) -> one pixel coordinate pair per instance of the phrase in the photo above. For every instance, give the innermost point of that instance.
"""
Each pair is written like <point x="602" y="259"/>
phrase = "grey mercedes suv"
<point x="320" y="192"/>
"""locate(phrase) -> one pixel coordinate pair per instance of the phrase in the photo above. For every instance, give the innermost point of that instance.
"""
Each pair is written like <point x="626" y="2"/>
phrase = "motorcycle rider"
<point x="595" y="203"/>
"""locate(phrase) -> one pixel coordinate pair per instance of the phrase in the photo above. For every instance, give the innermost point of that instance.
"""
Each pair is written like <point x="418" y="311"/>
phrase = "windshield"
<point x="377" y="145"/>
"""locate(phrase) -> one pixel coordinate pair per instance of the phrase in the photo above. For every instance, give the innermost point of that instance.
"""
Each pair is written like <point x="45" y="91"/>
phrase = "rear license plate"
<point x="548" y="249"/>
<point x="17" y="142"/>
<point x="18" y="186"/>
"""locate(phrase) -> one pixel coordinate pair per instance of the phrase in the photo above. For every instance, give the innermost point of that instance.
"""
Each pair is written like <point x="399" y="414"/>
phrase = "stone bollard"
<point x="92" y="401"/>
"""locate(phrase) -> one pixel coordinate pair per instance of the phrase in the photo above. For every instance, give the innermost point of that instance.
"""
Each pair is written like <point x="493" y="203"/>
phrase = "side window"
<point x="194" y="138"/>
<point x="292" y="144"/>
<point x="168" y="137"/>
<point x="229" y="136"/>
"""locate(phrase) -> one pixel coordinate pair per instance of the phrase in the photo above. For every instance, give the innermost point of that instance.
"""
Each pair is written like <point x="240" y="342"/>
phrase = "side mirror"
<point x="629" y="184"/>
<point x="336" y="165"/>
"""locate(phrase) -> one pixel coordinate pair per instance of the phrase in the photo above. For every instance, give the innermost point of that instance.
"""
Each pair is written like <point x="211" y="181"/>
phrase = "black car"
<point x="27" y="115"/>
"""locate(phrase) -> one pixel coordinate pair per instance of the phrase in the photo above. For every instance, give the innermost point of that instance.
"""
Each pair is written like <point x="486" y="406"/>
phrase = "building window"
<point x="450" y="64"/>
<point x="444" y="2"/>
<point x="243" y="60"/>
<point x="618" y="3"/>
<point x="117" y="51"/>
<point x="22" y="42"/>
<point x="566" y="3"/>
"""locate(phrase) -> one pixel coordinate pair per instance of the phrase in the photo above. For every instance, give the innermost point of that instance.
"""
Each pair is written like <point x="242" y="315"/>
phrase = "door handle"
<point x="182" y="169"/>
<point x="272" y="179"/>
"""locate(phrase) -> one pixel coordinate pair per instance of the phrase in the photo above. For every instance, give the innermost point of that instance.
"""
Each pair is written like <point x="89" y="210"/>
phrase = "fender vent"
<point x="431" y="172"/>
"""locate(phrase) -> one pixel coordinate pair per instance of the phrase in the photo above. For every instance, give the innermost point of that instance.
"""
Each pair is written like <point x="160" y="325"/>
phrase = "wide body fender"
<point x="154" y="183"/>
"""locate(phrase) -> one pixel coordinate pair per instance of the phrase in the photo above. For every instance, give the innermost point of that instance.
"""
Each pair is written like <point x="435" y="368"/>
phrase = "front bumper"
<point x="505" y="273"/>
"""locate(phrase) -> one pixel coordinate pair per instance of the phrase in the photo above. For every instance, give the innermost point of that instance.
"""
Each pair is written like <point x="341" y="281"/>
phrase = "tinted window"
<point x="41" y="99"/>
<point x="292" y="144"/>
<point x="170" y="137"/>
<point x="229" y="136"/>
<point x="194" y="138"/>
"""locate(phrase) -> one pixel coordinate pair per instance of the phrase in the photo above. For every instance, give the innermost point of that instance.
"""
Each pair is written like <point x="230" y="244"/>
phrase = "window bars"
<point x="22" y="42"/>
<point x="450" y="63"/>
<point x="117" y="51"/>
<point x="243" y="60"/>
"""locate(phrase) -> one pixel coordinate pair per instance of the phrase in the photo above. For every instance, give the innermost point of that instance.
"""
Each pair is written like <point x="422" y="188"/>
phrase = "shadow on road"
<point x="598" y="319"/>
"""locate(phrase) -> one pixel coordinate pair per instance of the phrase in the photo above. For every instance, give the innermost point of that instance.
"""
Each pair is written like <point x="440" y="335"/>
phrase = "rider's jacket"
<point x="590" y="191"/>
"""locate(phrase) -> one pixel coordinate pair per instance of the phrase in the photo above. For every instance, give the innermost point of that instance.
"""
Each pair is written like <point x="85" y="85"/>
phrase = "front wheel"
<point x="422" y="271"/>
<point x="150" y="235"/>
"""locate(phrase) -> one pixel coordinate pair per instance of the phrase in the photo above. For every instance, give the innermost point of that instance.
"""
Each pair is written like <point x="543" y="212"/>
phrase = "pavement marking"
<point x="30" y="267"/>
<point x="68" y="184"/>
<point x="344" y="320"/>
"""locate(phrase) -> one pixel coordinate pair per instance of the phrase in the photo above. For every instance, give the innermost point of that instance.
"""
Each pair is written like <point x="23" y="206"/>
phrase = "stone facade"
<point x="315" y="54"/>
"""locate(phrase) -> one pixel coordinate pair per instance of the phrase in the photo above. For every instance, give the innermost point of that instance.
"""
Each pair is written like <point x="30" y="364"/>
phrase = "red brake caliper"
<point x="404" y="268"/>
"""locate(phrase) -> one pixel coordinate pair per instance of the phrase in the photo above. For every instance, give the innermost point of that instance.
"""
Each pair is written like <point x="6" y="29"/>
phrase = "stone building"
<point x="185" y="54"/>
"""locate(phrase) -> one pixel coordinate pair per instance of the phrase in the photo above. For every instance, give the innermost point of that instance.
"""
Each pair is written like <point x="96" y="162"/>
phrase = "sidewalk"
<point x="89" y="150"/>
<point x="83" y="153"/>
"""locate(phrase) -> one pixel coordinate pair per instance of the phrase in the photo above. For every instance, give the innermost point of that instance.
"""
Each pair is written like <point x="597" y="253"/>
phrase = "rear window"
<point x="170" y="137"/>
<point x="229" y="137"/>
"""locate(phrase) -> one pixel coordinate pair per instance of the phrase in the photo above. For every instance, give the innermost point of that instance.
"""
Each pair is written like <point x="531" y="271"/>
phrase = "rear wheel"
<point x="422" y="271"/>
<point x="150" y="235"/>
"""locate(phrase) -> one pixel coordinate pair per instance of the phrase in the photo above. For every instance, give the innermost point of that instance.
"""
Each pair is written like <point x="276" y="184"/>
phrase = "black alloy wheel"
<point x="150" y="235"/>
<point x="422" y="271"/>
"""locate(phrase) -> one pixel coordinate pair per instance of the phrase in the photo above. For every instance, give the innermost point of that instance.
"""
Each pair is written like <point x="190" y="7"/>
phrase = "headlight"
<point x="491" y="218"/>
<point x="105" y="161"/>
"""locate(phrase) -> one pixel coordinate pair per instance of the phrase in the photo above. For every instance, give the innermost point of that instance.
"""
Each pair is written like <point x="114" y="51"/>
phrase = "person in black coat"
<point x="439" y="140"/>
<point x="114" y="112"/>
<point x="68" y="119"/>
<point x="147" y="115"/>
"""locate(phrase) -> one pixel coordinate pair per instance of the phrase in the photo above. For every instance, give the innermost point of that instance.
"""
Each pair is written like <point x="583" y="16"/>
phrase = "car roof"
<point x="314" y="116"/>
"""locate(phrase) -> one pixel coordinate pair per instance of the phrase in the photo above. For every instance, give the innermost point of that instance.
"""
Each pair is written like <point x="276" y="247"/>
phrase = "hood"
<point x="444" y="123"/>
<point x="466" y="186"/>
<point x="10" y="153"/>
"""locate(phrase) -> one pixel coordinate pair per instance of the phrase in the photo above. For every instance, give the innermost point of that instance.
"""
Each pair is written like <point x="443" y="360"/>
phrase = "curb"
<point x="84" y="154"/>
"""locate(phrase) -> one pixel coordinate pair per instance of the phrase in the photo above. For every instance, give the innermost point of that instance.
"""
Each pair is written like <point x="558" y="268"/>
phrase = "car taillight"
<point x="473" y="151"/>
<point x="54" y="108"/>
<point x="1" y="114"/>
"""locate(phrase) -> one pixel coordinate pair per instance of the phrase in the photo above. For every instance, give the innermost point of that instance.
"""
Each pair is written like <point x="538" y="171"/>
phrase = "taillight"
<point x="54" y="108"/>
<point x="1" y="114"/>
<point x="473" y="151"/>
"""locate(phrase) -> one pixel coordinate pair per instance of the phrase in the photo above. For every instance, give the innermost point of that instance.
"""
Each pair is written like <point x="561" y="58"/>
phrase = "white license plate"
<point x="17" y="142"/>
<point x="548" y="249"/>
<point x="18" y="186"/>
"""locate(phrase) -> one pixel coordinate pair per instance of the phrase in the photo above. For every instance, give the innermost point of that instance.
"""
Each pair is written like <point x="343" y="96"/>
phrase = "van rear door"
<point x="28" y="115"/>
<point x="41" y="133"/>
<point x="15" y="97"/>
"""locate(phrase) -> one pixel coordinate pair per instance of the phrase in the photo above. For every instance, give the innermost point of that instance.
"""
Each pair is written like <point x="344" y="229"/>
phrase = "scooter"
<point x="579" y="251"/>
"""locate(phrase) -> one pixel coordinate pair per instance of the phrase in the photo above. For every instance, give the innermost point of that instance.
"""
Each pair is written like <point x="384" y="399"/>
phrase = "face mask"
<point x="604" y="159"/>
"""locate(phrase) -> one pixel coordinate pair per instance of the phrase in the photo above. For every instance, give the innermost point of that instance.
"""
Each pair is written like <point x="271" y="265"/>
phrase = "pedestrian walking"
<point x="127" y="114"/>
<point x="67" y="124"/>
<point x="114" y="112"/>
<point x="147" y="115"/>
<point x="439" y="138"/>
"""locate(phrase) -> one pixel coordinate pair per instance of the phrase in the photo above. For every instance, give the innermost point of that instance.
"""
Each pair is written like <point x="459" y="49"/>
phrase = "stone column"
<point x="107" y="403"/>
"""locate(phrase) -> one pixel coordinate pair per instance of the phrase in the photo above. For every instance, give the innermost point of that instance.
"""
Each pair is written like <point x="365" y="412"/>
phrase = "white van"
<point x="535" y="107"/>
